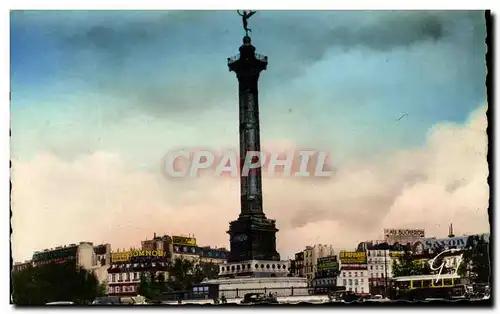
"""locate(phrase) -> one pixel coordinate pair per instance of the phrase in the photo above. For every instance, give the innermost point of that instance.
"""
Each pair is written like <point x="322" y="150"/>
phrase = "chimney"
<point x="450" y="231"/>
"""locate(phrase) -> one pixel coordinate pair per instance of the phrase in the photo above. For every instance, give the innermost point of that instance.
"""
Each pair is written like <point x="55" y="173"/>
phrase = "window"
<point x="362" y="280"/>
<point x="350" y="282"/>
<point x="371" y="267"/>
<point x="117" y="289"/>
<point x="362" y="290"/>
<point x="343" y="274"/>
<point x="344" y="282"/>
<point x="355" y="274"/>
<point x="350" y="274"/>
<point x="110" y="278"/>
<point x="355" y="282"/>
<point x="356" y="289"/>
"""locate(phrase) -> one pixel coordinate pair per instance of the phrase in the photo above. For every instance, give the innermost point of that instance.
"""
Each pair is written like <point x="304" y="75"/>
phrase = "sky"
<point x="98" y="98"/>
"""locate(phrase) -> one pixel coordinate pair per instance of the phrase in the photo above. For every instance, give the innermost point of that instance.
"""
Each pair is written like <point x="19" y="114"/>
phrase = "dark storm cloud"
<point x="303" y="41"/>
<point x="124" y="54"/>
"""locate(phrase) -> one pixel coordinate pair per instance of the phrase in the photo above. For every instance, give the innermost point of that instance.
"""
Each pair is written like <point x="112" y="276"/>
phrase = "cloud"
<point x="100" y="198"/>
<point x="129" y="55"/>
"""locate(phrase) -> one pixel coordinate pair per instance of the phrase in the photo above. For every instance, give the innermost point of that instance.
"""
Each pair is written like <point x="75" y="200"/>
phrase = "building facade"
<point x="83" y="255"/>
<point x="20" y="266"/>
<point x="380" y="273"/>
<point x="311" y="255"/>
<point x="327" y="271"/>
<point x="213" y="255"/>
<point x="185" y="247"/>
<point x="354" y="272"/>
<point x="298" y="265"/>
<point x="127" y="268"/>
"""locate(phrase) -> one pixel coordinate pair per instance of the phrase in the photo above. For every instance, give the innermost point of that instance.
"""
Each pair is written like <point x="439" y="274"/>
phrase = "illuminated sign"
<point x="183" y="241"/>
<point x="420" y="233"/>
<point x="127" y="255"/>
<point x="352" y="257"/>
<point x="327" y="263"/>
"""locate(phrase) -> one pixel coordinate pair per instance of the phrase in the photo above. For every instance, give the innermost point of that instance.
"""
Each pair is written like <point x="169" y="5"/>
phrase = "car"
<point x="259" y="298"/>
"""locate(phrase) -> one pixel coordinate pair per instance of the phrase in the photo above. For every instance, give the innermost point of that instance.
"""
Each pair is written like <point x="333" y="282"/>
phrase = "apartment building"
<point x="311" y="255"/>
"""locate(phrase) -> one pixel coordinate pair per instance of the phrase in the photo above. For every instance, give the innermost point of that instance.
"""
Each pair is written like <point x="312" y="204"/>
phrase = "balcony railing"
<point x="235" y="58"/>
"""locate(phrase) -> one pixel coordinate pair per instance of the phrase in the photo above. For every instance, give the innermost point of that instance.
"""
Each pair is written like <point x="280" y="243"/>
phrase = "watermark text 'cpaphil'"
<point x="294" y="163"/>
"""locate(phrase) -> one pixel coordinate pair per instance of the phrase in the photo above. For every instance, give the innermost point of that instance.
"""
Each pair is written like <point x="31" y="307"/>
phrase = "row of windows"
<point x="377" y="267"/>
<point x="120" y="289"/>
<point x="349" y="274"/>
<point x="124" y="277"/>
<point x="377" y="253"/>
<point x="324" y="282"/>
<point x="136" y="265"/>
<point x="361" y="290"/>
<point x="350" y="281"/>
<point x="130" y="276"/>
<point x="248" y="267"/>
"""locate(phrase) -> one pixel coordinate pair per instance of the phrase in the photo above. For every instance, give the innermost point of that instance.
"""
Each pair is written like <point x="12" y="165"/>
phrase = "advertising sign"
<point x="354" y="267"/>
<point x="327" y="263"/>
<point x="455" y="242"/>
<point x="396" y="254"/>
<point x="187" y="241"/>
<point x="419" y="233"/>
<point x="135" y="255"/>
<point x="117" y="257"/>
<point x="352" y="257"/>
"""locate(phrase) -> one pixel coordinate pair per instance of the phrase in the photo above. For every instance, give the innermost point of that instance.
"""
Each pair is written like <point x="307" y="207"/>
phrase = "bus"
<point x="444" y="286"/>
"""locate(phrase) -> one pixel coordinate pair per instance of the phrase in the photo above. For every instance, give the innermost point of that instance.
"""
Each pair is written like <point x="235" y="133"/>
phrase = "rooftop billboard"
<point x="352" y="257"/>
<point x="181" y="240"/>
<point x="136" y="255"/>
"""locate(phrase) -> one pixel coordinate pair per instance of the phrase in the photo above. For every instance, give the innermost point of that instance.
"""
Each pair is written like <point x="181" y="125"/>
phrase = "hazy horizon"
<point x="99" y="97"/>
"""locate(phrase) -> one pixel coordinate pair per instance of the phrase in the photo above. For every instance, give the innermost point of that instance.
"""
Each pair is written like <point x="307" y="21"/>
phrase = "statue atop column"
<point x="245" y="15"/>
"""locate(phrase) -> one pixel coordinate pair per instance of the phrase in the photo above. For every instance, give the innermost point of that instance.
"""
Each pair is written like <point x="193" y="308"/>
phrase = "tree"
<point x="54" y="282"/>
<point x="476" y="260"/>
<point x="181" y="274"/>
<point x="204" y="270"/>
<point x="145" y="287"/>
<point x="406" y="266"/>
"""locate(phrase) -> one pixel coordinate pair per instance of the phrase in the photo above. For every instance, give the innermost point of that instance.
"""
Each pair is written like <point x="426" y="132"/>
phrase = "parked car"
<point x="259" y="298"/>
